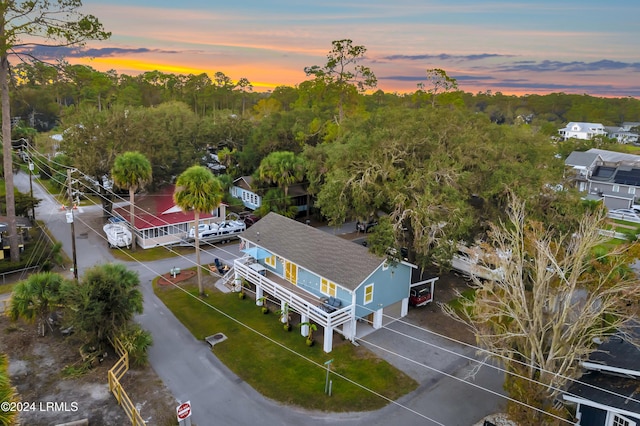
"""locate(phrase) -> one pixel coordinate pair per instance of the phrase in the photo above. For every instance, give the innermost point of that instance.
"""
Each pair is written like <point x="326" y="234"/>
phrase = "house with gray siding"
<point x="304" y="268"/>
<point x="613" y="177"/>
<point x="606" y="394"/>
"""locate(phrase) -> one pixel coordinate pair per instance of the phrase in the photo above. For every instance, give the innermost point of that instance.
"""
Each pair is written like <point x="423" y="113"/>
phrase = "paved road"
<point x="191" y="371"/>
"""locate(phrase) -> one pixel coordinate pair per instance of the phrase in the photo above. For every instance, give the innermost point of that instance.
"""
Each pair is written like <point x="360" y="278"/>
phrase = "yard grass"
<point x="456" y="304"/>
<point x="6" y="288"/>
<point x="151" y="254"/>
<point x="277" y="363"/>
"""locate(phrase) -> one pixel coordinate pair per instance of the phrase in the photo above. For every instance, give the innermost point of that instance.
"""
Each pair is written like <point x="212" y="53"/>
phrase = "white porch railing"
<point x="295" y="302"/>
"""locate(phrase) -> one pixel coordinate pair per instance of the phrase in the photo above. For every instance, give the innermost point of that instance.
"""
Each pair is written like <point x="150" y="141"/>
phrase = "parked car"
<point x="626" y="214"/>
<point x="366" y="226"/>
<point x="419" y="296"/>
<point x="250" y="219"/>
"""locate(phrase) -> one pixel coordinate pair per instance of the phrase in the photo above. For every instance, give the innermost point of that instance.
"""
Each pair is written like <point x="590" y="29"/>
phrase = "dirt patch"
<point x="432" y="316"/>
<point x="169" y="279"/>
<point x="46" y="374"/>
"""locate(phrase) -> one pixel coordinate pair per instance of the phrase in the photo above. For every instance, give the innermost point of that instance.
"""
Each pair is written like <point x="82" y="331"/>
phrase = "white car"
<point x="626" y="214"/>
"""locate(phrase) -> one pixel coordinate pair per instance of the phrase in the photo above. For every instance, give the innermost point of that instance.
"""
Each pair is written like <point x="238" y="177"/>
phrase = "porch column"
<point x="377" y="319"/>
<point x="349" y="330"/>
<point x="404" y="310"/>
<point x="258" y="295"/>
<point x="237" y="281"/>
<point x="328" y="339"/>
<point x="304" y="330"/>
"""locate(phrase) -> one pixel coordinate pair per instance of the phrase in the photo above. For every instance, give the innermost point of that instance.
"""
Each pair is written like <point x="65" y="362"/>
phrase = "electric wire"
<point x="453" y="352"/>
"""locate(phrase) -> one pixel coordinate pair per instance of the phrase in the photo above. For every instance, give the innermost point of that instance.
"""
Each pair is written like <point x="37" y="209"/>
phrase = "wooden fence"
<point x="115" y="374"/>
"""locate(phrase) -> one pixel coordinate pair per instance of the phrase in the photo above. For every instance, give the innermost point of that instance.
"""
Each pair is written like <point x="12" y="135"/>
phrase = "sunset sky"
<point x="511" y="47"/>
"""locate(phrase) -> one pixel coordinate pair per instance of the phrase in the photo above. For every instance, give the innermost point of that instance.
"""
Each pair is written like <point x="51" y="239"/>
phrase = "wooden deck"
<point x="298" y="299"/>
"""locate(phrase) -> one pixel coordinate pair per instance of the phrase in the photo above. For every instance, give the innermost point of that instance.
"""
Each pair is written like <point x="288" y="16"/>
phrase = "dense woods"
<point x="438" y="162"/>
<point x="434" y="167"/>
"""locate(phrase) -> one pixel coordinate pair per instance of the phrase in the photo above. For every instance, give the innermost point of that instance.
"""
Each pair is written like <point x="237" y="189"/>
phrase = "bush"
<point x="136" y="341"/>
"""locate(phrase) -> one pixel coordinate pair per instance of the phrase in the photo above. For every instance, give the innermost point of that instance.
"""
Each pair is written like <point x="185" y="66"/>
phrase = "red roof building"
<point x="159" y="222"/>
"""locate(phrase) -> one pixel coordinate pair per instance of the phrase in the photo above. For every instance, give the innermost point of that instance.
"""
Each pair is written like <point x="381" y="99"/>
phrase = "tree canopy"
<point x="559" y="291"/>
<point x="198" y="190"/>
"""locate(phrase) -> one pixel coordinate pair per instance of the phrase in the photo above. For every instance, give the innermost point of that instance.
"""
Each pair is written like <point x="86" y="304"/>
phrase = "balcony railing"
<point x="299" y="304"/>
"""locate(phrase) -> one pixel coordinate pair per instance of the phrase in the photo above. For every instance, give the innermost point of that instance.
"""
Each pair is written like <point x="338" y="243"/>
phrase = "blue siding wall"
<point x="279" y="269"/>
<point x="391" y="285"/>
<point x="246" y="197"/>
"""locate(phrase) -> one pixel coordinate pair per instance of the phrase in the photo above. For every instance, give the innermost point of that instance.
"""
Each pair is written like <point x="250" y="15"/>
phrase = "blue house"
<point x="328" y="280"/>
<point x="242" y="190"/>
<point x="607" y="393"/>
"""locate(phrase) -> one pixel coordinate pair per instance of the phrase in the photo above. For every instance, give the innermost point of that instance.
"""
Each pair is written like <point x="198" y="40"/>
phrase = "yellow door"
<point x="291" y="272"/>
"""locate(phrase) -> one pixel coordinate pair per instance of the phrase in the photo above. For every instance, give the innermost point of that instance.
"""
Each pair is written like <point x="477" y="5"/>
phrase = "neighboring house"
<point x="606" y="175"/>
<point x="622" y="135"/>
<point x="303" y="266"/>
<point x="607" y="393"/>
<point x="243" y="190"/>
<point x="629" y="125"/>
<point x="159" y="222"/>
<point x="579" y="130"/>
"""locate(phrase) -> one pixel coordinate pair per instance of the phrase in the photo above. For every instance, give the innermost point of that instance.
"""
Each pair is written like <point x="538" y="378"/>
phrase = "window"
<point x="618" y="420"/>
<point x="328" y="287"/>
<point x="632" y="190"/>
<point x="616" y="188"/>
<point x="368" y="294"/>
<point x="271" y="261"/>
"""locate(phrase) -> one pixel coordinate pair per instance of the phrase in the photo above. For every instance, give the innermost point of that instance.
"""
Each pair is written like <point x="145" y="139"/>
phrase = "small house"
<point x="159" y="222"/>
<point x="337" y="284"/>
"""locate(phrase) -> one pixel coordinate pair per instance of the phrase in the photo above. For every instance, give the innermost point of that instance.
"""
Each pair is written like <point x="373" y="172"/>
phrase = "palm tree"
<point x="198" y="190"/>
<point x="131" y="170"/>
<point x="7" y="392"/>
<point x="282" y="168"/>
<point x="104" y="303"/>
<point x="35" y="298"/>
<point x="312" y="328"/>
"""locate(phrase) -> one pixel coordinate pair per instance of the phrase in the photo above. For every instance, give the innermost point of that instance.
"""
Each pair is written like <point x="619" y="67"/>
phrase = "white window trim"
<point x="328" y="287"/>
<point x="613" y="416"/>
<point x="270" y="260"/>
<point x="366" y="302"/>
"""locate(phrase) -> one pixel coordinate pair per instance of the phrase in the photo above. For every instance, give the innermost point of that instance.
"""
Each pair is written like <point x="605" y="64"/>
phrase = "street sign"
<point x="183" y="410"/>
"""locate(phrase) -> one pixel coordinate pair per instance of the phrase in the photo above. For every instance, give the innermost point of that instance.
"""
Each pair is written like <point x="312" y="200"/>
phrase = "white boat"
<point x="117" y="234"/>
<point x="473" y="261"/>
<point x="218" y="231"/>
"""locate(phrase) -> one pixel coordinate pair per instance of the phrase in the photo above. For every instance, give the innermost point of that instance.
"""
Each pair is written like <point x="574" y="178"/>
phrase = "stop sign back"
<point x="183" y="410"/>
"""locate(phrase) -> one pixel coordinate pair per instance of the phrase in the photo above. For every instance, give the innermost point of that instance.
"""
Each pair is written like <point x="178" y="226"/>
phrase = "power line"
<point x="453" y="352"/>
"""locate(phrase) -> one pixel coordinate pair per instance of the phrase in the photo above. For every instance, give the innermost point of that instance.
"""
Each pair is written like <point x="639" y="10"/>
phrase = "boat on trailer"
<point x="223" y="231"/>
<point x="117" y="234"/>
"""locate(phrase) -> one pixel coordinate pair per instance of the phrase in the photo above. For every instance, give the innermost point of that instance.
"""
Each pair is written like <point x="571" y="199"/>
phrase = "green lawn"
<point x="278" y="363"/>
<point x="151" y="254"/>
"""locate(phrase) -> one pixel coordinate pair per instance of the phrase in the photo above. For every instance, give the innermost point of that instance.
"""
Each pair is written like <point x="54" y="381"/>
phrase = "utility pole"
<point x="33" y="206"/>
<point x="73" y="229"/>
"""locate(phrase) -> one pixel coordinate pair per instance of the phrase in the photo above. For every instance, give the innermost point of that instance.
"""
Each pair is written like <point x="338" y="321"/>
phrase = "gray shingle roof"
<point x="612" y="156"/>
<point x="579" y="158"/>
<point x="338" y="260"/>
